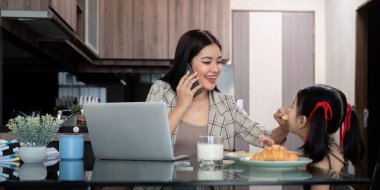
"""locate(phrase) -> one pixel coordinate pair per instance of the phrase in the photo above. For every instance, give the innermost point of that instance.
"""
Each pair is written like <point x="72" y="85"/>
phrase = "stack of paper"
<point x="9" y="150"/>
<point x="9" y="159"/>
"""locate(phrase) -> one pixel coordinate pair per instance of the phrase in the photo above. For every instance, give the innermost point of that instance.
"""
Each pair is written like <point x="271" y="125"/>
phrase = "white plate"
<point x="235" y="167"/>
<point x="276" y="164"/>
<point x="234" y="155"/>
<point x="258" y="174"/>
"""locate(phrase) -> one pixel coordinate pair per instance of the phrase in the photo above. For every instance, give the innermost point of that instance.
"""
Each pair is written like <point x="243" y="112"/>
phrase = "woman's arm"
<point x="279" y="134"/>
<point x="246" y="126"/>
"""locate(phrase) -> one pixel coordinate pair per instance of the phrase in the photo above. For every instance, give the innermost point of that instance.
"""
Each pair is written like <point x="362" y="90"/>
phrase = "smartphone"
<point x="196" y="83"/>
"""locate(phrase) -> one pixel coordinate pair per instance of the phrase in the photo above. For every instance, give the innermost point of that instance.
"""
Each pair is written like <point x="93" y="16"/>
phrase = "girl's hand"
<point x="266" y="141"/>
<point x="184" y="92"/>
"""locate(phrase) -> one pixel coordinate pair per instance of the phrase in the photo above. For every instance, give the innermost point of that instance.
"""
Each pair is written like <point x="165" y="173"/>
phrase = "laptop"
<point x="130" y="131"/>
<point x="132" y="171"/>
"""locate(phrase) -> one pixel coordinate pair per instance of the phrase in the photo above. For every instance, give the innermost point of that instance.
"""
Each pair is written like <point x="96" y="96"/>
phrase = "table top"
<point x="179" y="173"/>
<point x="91" y="172"/>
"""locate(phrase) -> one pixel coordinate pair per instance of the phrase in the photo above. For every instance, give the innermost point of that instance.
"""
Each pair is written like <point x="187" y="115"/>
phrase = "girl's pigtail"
<point x="352" y="142"/>
<point x="316" y="142"/>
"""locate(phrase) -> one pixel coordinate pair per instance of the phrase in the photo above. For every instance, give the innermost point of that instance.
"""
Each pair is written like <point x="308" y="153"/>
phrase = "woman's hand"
<point x="184" y="92"/>
<point x="281" y="116"/>
<point x="266" y="141"/>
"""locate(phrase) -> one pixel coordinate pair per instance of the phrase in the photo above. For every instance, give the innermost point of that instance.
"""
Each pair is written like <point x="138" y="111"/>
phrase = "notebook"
<point x="130" y="131"/>
<point x="132" y="171"/>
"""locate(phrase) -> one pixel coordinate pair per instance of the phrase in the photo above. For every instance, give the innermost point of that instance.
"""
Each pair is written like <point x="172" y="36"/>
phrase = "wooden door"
<point x="367" y="94"/>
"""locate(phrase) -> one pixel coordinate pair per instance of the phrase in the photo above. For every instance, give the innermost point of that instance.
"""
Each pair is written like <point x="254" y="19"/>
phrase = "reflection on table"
<point x="90" y="172"/>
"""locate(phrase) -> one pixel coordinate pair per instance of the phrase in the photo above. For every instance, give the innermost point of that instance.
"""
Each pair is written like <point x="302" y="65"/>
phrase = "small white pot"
<point x="32" y="154"/>
<point x="35" y="171"/>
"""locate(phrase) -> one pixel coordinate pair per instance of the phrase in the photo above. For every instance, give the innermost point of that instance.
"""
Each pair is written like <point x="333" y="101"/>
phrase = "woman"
<point x="210" y="112"/>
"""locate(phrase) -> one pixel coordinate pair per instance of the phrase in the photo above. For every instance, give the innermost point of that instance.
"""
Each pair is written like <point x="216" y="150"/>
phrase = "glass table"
<point x="92" y="173"/>
<point x="88" y="172"/>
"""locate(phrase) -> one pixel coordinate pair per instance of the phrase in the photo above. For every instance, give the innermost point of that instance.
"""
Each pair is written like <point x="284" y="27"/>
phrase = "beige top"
<point x="187" y="138"/>
<point x="225" y="118"/>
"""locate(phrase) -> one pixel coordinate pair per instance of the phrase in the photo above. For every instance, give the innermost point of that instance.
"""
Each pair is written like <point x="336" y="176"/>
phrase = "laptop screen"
<point x="129" y="130"/>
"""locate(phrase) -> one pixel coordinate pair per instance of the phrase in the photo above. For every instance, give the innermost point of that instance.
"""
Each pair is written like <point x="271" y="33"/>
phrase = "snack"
<point x="275" y="153"/>
<point x="245" y="154"/>
<point x="285" y="117"/>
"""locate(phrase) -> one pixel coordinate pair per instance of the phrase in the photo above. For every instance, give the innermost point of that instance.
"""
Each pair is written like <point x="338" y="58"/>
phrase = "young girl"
<point x="317" y="112"/>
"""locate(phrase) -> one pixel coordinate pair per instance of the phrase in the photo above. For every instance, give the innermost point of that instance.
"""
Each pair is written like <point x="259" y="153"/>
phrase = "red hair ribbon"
<point x="327" y="109"/>
<point x="346" y="125"/>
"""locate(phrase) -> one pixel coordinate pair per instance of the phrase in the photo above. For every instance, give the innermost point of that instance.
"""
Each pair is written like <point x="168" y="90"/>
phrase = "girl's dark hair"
<point x="189" y="45"/>
<point x="317" y="144"/>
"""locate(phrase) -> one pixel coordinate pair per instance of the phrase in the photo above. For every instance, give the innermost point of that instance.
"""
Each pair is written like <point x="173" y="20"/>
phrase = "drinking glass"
<point x="210" y="150"/>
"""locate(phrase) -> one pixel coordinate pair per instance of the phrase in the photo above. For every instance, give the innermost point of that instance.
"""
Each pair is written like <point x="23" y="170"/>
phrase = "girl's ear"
<point x="301" y="121"/>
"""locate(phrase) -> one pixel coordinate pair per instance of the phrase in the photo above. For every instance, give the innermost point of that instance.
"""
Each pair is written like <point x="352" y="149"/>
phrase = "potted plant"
<point x="76" y="111"/>
<point x="33" y="133"/>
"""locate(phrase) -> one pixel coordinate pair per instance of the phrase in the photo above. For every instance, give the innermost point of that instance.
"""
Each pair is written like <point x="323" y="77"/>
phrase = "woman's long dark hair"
<point x="189" y="45"/>
<point x="316" y="145"/>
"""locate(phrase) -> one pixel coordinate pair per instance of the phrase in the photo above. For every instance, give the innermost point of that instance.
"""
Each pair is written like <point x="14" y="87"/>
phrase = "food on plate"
<point x="285" y="117"/>
<point x="275" y="153"/>
<point x="245" y="154"/>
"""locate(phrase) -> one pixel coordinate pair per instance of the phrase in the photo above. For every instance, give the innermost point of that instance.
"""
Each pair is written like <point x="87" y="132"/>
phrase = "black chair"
<point x="376" y="174"/>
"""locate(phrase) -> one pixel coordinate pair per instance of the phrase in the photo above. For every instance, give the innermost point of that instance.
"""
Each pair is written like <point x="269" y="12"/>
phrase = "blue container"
<point x="71" y="170"/>
<point x="71" y="147"/>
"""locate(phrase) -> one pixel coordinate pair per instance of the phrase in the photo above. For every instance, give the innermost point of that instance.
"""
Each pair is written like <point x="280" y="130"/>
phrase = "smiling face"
<point x="208" y="64"/>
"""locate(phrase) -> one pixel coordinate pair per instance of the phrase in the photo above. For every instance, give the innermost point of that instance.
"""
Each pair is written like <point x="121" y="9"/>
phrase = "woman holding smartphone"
<point x="196" y="106"/>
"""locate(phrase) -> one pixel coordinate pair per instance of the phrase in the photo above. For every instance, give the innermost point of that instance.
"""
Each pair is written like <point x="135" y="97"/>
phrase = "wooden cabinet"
<point x="140" y="29"/>
<point x="67" y="10"/>
<point x="116" y="28"/>
<point x="215" y="16"/>
<point x="184" y="15"/>
<point x="35" y="5"/>
<point x="133" y="29"/>
<point x="150" y="29"/>
<point x="212" y="15"/>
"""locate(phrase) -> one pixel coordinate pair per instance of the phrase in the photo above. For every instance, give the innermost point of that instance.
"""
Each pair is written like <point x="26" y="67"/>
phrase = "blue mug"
<point x="71" y="170"/>
<point x="71" y="147"/>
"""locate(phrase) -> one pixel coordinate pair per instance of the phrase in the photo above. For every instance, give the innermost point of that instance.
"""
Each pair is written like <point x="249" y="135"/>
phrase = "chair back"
<point x="376" y="174"/>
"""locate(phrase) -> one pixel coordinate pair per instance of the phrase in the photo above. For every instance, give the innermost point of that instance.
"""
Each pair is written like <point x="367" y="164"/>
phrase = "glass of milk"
<point x="214" y="172"/>
<point x="210" y="150"/>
